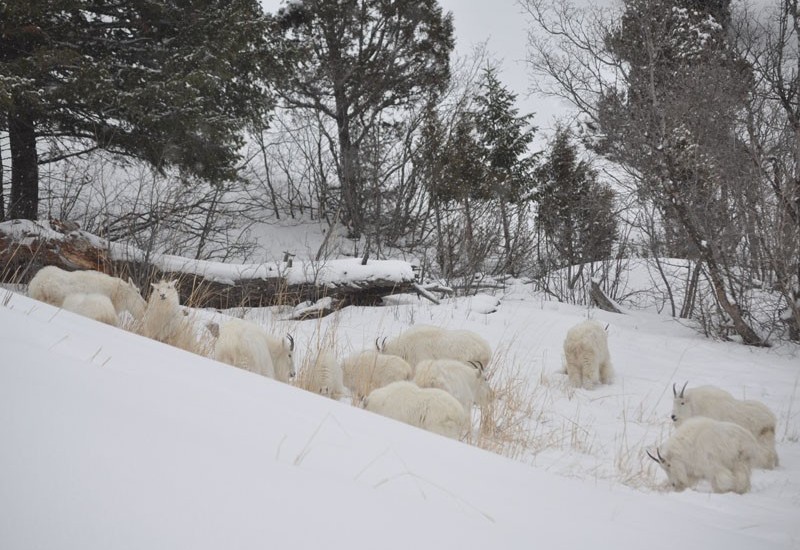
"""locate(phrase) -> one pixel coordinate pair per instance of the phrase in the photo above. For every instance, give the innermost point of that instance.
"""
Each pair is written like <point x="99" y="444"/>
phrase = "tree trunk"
<point x="468" y="236"/>
<point x="348" y="170"/>
<point x="691" y="292"/>
<point x="2" y="197"/>
<point x="718" y="285"/>
<point x="507" y="244"/>
<point x="24" y="166"/>
<point x="744" y="330"/>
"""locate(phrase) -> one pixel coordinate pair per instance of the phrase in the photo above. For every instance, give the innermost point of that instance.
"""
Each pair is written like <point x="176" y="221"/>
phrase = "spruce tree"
<point x="576" y="212"/>
<point x="172" y="83"/>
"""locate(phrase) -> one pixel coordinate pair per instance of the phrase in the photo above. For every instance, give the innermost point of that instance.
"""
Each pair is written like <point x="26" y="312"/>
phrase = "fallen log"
<point x="601" y="300"/>
<point x="26" y="247"/>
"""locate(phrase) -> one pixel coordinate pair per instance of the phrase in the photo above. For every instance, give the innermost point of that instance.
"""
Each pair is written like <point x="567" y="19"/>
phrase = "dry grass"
<point x="504" y="426"/>
<point x="324" y="338"/>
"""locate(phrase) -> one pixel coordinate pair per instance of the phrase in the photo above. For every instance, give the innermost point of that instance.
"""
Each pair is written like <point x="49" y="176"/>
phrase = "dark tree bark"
<point x="24" y="202"/>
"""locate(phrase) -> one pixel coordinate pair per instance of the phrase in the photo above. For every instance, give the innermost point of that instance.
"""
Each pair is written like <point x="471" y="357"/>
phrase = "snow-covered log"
<point x="26" y="246"/>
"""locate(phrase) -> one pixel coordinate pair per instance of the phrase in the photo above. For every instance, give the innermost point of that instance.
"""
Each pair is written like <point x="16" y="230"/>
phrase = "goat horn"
<point x="291" y="342"/>
<point x="477" y="364"/>
<point x="683" y="388"/>
<point x="377" y="344"/>
<point x="658" y="452"/>
<point x="674" y="390"/>
<point x="651" y="456"/>
<point x="383" y="343"/>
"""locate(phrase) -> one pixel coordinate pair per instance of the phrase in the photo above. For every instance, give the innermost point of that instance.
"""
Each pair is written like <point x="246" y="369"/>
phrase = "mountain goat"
<point x="246" y="345"/>
<point x="586" y="352"/>
<point x="163" y="318"/>
<point x="52" y="285"/>
<point x="282" y="352"/>
<point x="324" y="376"/>
<point x="718" y="404"/>
<point x="704" y="448"/>
<point x="466" y="383"/>
<point x="94" y="306"/>
<point x="431" y="409"/>
<point x="428" y="342"/>
<point x="370" y="369"/>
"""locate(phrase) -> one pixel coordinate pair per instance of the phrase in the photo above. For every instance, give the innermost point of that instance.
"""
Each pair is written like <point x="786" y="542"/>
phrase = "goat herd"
<point x="431" y="377"/>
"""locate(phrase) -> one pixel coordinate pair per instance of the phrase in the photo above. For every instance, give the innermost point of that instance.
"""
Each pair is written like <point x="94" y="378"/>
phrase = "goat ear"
<point x="174" y="283"/>
<point x="153" y="285"/>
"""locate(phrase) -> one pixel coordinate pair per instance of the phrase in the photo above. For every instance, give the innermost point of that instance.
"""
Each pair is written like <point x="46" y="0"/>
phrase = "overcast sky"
<point x="504" y="27"/>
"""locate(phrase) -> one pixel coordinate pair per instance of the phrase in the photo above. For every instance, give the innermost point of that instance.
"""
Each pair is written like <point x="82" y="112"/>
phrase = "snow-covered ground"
<point x="110" y="440"/>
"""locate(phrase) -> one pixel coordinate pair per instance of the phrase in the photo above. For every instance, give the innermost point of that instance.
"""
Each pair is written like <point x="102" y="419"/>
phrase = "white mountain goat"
<point x="244" y="344"/>
<point x="466" y="383"/>
<point x="431" y="409"/>
<point x="163" y="318"/>
<point x="282" y="352"/>
<point x="324" y="376"/>
<point x="718" y="404"/>
<point x="703" y="448"/>
<point x="248" y="346"/>
<point x="52" y="285"/>
<point x="422" y="342"/>
<point x="586" y="352"/>
<point x="94" y="306"/>
<point x="369" y="370"/>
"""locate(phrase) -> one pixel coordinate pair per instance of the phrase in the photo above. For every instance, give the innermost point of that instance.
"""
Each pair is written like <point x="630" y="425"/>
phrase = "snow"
<point x="110" y="440"/>
<point x="332" y="272"/>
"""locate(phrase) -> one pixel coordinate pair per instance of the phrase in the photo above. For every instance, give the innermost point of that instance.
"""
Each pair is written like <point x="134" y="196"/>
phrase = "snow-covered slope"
<point x="110" y="440"/>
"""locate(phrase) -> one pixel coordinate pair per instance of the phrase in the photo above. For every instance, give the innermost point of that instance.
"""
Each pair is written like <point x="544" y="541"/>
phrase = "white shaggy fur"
<point x="422" y="342"/>
<point x="431" y="409"/>
<point x="464" y="382"/>
<point x="703" y="448"/>
<point x="586" y="352"/>
<point x="245" y="345"/>
<point x="52" y="285"/>
<point x="369" y="370"/>
<point x="718" y="404"/>
<point x="94" y="306"/>
<point x="163" y="318"/>
<point x="282" y="352"/>
<point x="325" y="376"/>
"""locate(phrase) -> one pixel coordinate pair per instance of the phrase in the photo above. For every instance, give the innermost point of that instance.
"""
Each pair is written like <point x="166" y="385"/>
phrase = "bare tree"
<point x="662" y="93"/>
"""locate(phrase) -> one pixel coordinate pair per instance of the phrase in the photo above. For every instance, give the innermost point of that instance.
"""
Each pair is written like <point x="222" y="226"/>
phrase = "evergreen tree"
<point x="172" y="83"/>
<point x="505" y="138"/>
<point x="576" y="212"/>
<point x="357" y="60"/>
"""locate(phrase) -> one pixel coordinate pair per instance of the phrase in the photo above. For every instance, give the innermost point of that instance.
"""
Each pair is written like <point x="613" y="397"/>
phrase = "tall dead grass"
<point x="324" y="338"/>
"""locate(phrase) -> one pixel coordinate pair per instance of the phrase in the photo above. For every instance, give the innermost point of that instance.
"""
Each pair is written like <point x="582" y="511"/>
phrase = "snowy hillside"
<point x="110" y="440"/>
